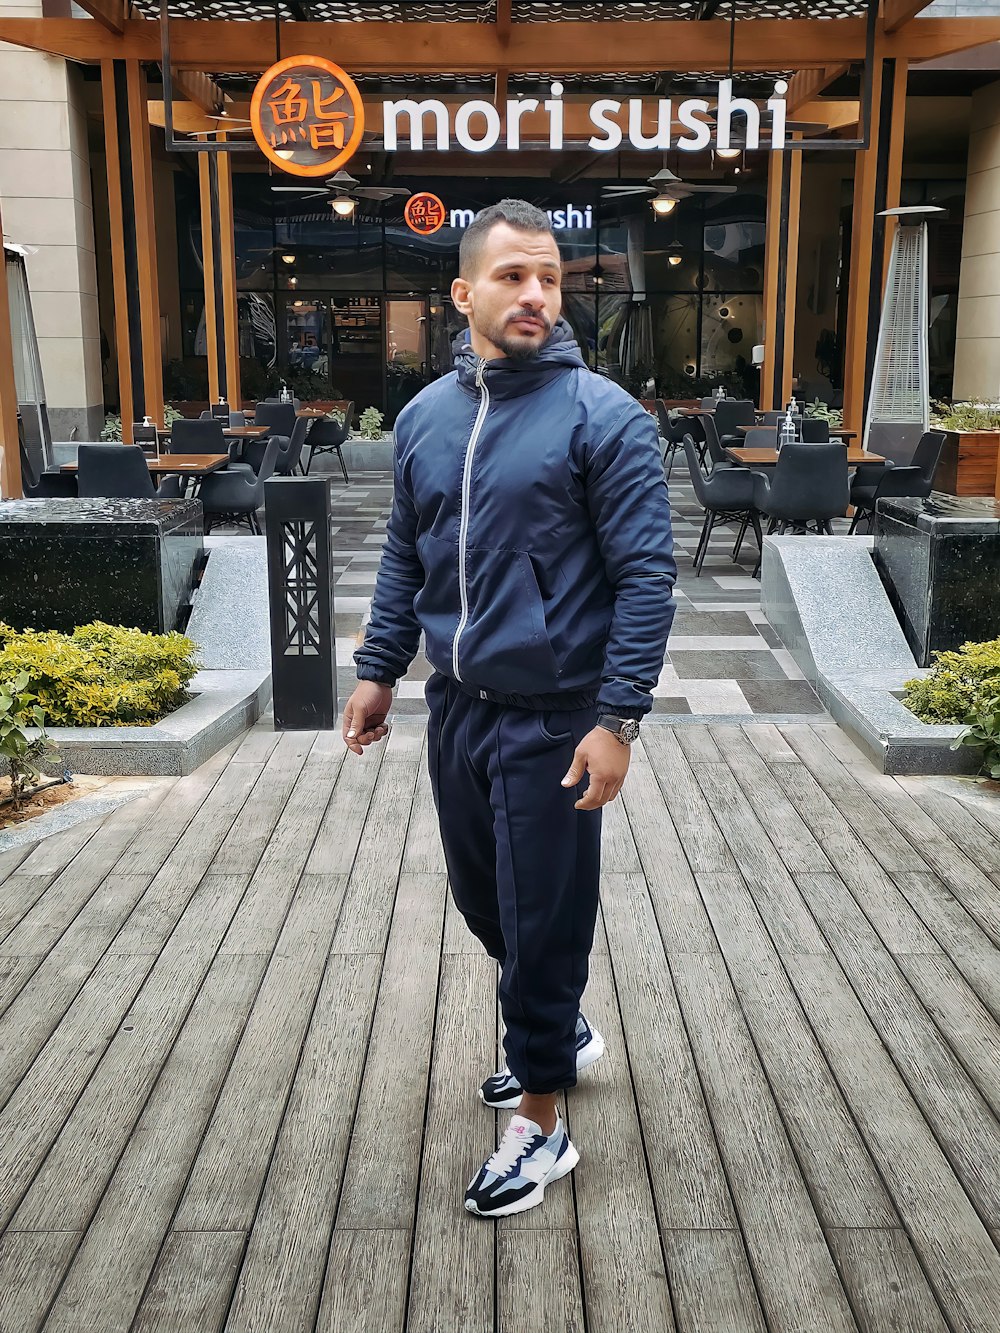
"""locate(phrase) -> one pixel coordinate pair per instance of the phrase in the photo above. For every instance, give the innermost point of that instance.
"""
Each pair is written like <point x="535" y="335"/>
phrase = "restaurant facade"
<point x="714" y="185"/>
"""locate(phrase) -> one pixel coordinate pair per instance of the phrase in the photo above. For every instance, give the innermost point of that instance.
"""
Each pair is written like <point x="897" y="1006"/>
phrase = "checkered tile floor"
<point x="723" y="660"/>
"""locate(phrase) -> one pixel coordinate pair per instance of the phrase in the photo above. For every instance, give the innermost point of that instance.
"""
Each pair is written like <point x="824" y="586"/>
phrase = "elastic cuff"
<point x="376" y="674"/>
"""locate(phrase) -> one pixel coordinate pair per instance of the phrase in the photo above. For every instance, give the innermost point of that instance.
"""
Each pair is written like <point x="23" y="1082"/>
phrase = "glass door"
<point x="356" y="350"/>
<point x="307" y="345"/>
<point x="406" y="366"/>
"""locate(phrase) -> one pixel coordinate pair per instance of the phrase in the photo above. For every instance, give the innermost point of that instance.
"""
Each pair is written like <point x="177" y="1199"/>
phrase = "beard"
<point x="518" y="346"/>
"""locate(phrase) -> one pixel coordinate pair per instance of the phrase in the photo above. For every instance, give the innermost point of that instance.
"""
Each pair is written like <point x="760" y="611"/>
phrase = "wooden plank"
<point x="257" y="744"/>
<point x="452" y="1283"/>
<point x="366" y="1281"/>
<point x="228" y="1174"/>
<point x="250" y="833"/>
<point x="380" y="1181"/>
<point x="697" y="744"/>
<point x="136" y="1208"/>
<point x="31" y="1264"/>
<point x="704" y="845"/>
<point x="371" y="886"/>
<point x="14" y="976"/>
<point x="190" y="1287"/>
<point x="619" y="854"/>
<point x="11" y="859"/>
<point x="885" y="1282"/>
<point x="796" y="1279"/>
<point x="711" y="1282"/>
<point x="458" y="938"/>
<point x="32" y="1117"/>
<point x="680" y="913"/>
<point x="524" y="1302"/>
<point x="19" y="895"/>
<point x="953" y="1246"/>
<point x="69" y="1185"/>
<point x="336" y="843"/>
<point x="52" y="855"/>
<point x="281" y="1280"/>
<point x="978" y="838"/>
<point x="778" y="900"/>
<point x="687" y="1175"/>
<point x="624" y="1278"/>
<point x="769" y="743"/>
<point x="790" y="835"/>
<point x="423" y="853"/>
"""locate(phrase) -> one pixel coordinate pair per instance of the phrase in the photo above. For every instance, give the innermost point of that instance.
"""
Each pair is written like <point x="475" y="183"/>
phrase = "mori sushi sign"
<point x="309" y="118"/>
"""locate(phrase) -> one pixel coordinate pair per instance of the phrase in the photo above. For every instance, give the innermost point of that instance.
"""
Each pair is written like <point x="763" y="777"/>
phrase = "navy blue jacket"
<point x="529" y="537"/>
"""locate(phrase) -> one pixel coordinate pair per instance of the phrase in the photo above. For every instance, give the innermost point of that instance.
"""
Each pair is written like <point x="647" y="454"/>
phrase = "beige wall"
<point x="46" y="206"/>
<point x="977" y="347"/>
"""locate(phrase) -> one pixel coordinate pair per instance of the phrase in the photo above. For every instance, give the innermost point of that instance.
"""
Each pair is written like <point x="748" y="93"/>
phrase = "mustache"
<point x="537" y="315"/>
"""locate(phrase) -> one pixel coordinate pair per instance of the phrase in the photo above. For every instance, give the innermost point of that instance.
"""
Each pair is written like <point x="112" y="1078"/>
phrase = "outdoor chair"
<point x="815" y="430"/>
<point x="44" y="485"/>
<point x="707" y="404"/>
<point x="714" y="447"/>
<point x="729" y="414"/>
<point x="197" y="437"/>
<point x="329" y="437"/>
<point x="288" y="456"/>
<point x="727" y="497"/>
<point x="119" y="471"/>
<point x="671" y="435"/>
<point x="235" y="495"/>
<point x="875" y="481"/>
<point x="807" y="485"/>
<point x="237" y="419"/>
<point x="295" y="403"/>
<point x="760" y="437"/>
<point x="280" y="417"/>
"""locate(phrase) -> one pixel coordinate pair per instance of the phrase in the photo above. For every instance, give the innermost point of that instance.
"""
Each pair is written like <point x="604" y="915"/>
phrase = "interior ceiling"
<point x="484" y="11"/>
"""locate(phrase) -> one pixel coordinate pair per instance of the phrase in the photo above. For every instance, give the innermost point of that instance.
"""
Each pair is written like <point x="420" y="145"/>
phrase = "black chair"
<point x="815" y="430"/>
<point x="727" y="497"/>
<point x="730" y="413"/>
<point x="44" y="485"/>
<point x="875" y="481"/>
<point x="280" y="417"/>
<point x="235" y="494"/>
<point x="760" y="437"/>
<point x="197" y="437"/>
<point x="295" y="402"/>
<point x="287" y="459"/>
<point x="715" y="449"/>
<point x="808" y="485"/>
<point x="671" y="433"/>
<point x="119" y="471"/>
<point x="329" y="437"/>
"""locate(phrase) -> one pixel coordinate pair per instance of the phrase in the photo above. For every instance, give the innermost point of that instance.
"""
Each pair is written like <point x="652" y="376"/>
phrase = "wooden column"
<point x="10" y="455"/>
<point x="781" y="266"/>
<point x="209" y="228"/>
<point x="877" y="177"/>
<point x="133" y="242"/>
<point x="226" y="262"/>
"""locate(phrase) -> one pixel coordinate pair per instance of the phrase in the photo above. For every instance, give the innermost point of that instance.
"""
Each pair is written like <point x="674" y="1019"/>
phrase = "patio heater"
<point x="899" y="399"/>
<point x="32" y="412"/>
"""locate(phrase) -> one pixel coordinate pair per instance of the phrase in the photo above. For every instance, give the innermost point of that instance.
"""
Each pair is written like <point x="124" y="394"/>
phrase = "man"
<point x="530" y="541"/>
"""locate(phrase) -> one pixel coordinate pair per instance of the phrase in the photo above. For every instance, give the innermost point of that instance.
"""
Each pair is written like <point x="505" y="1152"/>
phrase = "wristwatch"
<point x="624" y="729"/>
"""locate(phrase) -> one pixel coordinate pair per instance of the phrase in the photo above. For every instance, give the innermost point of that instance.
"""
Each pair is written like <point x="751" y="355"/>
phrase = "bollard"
<point x="300" y="584"/>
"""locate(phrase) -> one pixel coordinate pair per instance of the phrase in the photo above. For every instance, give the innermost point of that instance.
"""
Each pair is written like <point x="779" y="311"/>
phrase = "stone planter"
<point x="968" y="463"/>
<point x="369" y="455"/>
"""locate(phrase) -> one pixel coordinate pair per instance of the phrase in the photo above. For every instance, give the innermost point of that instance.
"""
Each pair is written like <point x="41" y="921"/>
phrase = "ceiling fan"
<point x="343" y="189"/>
<point x="667" y="186"/>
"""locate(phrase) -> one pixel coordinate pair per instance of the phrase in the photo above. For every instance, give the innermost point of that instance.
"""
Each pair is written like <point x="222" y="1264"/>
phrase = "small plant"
<point x="335" y="414"/>
<point x="25" y="755"/>
<point x="370" y="423"/>
<point x="111" y="431"/>
<point x="961" y="684"/>
<point x="983" y="731"/>
<point x="966" y="416"/>
<point x="100" y="675"/>
<point x="821" y="412"/>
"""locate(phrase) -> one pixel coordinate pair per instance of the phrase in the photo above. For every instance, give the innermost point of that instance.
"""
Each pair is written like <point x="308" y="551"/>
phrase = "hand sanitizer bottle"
<point x="786" y="434"/>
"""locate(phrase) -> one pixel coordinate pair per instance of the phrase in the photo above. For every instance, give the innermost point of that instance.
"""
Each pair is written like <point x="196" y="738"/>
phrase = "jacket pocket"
<point x="438" y="605"/>
<point x="505" y="645"/>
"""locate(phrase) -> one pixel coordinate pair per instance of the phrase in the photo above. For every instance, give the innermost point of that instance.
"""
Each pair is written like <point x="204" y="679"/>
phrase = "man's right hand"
<point x="365" y="715"/>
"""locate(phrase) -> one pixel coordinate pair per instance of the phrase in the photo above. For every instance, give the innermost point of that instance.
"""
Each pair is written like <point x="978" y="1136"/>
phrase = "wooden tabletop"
<point x="696" y="411"/>
<point x="228" y="432"/>
<point x="836" y="432"/>
<point x="193" y="465"/>
<point x="769" y="457"/>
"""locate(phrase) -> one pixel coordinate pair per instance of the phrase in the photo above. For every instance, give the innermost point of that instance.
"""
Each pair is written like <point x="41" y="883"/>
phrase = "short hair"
<point x="515" y="212"/>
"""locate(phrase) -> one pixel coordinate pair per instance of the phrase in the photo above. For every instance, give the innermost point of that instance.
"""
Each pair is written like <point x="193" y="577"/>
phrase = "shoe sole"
<point x="590" y="1055"/>
<point x="563" y="1167"/>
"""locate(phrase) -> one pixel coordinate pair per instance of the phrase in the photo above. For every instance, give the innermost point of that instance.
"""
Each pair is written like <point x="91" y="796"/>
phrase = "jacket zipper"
<point x="463" y="527"/>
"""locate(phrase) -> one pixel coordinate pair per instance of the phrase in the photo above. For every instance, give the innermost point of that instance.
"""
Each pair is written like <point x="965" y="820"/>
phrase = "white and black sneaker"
<point x="514" y="1178"/>
<point x="502" y="1090"/>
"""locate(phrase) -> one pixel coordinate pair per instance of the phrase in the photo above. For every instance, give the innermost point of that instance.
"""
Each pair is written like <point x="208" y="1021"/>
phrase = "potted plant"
<point x="370" y="424"/>
<point x="969" y="461"/>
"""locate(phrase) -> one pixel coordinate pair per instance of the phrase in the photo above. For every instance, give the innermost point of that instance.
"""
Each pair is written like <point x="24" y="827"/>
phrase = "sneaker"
<point x="515" y="1177"/>
<point x="503" y="1092"/>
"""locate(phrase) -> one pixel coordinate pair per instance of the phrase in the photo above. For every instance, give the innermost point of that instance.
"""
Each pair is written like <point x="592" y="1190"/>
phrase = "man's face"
<point x="514" y="297"/>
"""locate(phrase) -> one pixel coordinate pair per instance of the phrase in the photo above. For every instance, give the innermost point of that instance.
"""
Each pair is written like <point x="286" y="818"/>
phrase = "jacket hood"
<point x="510" y="379"/>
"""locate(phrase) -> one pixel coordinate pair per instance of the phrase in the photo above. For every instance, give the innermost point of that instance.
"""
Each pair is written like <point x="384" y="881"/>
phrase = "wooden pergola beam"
<point x="109" y="13"/>
<point x="199" y="88"/>
<point x="571" y="48"/>
<point x="503" y="22"/>
<point x="897" y="12"/>
<point x="808" y="84"/>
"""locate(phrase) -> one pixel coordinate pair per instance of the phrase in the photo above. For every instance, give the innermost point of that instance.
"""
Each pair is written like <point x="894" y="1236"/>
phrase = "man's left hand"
<point x="606" y="760"/>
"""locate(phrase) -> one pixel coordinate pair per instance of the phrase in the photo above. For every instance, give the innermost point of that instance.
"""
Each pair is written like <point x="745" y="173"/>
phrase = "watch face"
<point x="629" y="730"/>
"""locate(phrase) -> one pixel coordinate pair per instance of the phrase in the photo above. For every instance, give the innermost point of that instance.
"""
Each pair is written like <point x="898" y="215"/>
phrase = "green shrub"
<point x="983" y="732"/>
<point x="370" y="423"/>
<point x="960" y="686"/>
<point x="19" y="711"/>
<point x="966" y="416"/>
<point x="101" y="675"/>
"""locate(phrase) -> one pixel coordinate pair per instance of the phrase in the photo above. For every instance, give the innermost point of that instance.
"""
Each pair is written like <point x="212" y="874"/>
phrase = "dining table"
<point x="836" y="432"/>
<point x="769" y="457"/>
<point x="185" y="465"/>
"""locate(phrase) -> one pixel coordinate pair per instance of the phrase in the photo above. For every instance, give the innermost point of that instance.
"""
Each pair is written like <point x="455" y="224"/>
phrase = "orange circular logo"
<point x="424" y="213"/>
<point x="307" y="115"/>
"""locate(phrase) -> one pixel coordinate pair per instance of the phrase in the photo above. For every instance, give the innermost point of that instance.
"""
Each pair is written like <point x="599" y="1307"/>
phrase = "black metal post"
<point x="300" y="579"/>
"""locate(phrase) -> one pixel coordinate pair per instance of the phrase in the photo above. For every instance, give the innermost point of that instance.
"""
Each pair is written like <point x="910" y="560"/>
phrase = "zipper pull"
<point x="480" y="372"/>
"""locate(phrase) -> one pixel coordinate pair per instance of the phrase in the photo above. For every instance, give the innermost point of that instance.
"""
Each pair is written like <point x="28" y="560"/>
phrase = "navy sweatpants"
<point x="524" y="864"/>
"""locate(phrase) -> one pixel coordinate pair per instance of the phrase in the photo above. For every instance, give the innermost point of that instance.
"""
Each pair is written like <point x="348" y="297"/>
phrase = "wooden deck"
<point x="242" y="1032"/>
